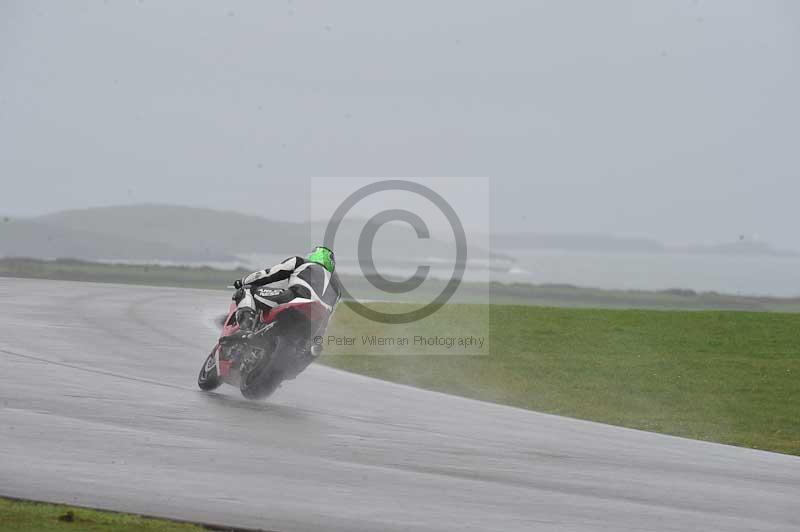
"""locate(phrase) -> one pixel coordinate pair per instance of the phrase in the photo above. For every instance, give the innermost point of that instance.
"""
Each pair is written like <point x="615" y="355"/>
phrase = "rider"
<point x="310" y="281"/>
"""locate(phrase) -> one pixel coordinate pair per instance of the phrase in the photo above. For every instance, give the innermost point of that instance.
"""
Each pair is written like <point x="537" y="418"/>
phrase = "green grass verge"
<point x="730" y="377"/>
<point x="21" y="516"/>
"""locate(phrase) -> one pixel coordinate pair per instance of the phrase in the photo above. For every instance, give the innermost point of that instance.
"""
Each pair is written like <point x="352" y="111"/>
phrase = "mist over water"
<point x="762" y="276"/>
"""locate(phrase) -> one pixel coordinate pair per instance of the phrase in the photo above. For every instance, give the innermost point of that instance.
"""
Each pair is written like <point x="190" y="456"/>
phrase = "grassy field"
<point x="731" y="377"/>
<point x="18" y="516"/>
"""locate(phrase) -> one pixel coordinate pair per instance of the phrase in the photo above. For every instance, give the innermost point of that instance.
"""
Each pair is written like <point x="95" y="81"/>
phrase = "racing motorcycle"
<point x="279" y="348"/>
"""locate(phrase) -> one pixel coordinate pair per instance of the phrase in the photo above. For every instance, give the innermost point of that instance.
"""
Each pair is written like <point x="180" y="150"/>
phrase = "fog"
<point x="670" y="120"/>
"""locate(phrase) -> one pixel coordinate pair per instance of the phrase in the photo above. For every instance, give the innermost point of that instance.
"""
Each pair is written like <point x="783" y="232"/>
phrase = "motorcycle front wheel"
<point x="209" y="379"/>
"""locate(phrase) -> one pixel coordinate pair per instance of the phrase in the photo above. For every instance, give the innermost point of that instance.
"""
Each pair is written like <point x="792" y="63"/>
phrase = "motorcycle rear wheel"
<point x="261" y="379"/>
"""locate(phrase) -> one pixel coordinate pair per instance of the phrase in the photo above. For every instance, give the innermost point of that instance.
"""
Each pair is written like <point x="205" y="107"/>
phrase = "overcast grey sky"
<point x="677" y="120"/>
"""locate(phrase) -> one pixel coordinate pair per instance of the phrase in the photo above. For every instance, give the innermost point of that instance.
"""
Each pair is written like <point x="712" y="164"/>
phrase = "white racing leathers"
<point x="308" y="282"/>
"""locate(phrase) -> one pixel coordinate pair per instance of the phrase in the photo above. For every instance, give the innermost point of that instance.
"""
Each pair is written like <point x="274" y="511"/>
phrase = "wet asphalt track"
<point x="99" y="407"/>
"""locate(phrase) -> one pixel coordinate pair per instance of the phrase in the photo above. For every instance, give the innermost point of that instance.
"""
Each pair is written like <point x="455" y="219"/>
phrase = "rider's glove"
<point x="237" y="284"/>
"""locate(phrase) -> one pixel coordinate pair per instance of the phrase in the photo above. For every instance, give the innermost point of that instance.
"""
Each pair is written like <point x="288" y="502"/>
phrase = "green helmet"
<point x="324" y="257"/>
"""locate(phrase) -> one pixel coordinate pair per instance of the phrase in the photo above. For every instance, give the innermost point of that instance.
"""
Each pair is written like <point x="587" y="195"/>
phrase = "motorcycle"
<point x="279" y="348"/>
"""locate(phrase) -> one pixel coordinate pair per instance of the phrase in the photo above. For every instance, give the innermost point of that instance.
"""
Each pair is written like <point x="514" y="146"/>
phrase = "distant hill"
<point x="212" y="233"/>
<point x="38" y="239"/>
<point x="187" y="234"/>
<point x="145" y="232"/>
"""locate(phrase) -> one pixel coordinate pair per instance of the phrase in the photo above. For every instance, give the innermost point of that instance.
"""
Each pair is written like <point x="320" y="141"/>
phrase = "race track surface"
<point x="99" y="407"/>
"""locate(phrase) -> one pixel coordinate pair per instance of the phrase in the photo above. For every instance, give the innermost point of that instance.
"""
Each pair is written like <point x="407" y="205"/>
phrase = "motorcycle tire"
<point x="209" y="378"/>
<point x="261" y="379"/>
